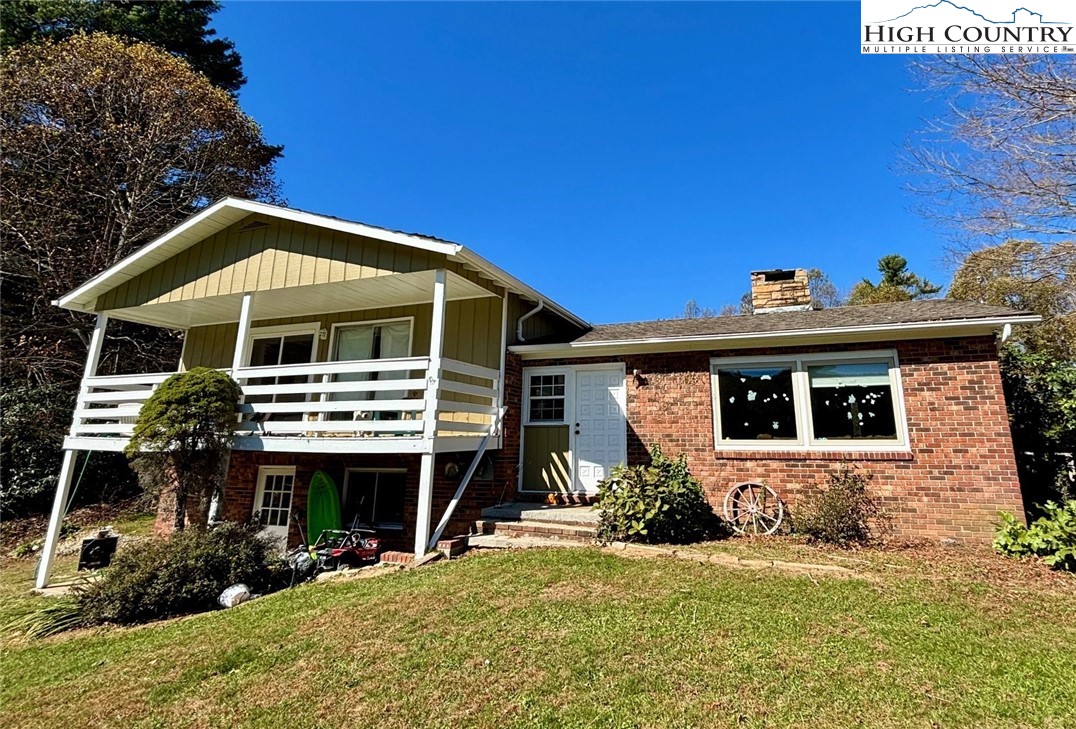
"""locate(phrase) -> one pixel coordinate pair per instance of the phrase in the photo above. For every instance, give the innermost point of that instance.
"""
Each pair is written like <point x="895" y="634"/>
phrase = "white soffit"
<point x="327" y="298"/>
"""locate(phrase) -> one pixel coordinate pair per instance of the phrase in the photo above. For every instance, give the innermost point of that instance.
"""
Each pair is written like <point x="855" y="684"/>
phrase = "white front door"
<point x="599" y="427"/>
<point x="272" y="501"/>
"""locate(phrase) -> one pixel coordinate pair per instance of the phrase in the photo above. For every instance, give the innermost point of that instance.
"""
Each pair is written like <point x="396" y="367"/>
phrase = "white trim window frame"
<point x="331" y="352"/>
<point x="567" y="382"/>
<point x="380" y="525"/>
<point x="282" y="330"/>
<point x="805" y="440"/>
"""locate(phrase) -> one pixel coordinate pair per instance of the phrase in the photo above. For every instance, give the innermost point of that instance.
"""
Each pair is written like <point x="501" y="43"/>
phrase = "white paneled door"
<point x="599" y="426"/>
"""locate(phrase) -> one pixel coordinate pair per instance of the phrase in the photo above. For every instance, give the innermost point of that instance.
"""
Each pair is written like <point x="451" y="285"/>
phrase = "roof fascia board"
<point x="883" y="332"/>
<point x="66" y="300"/>
<point x="344" y="226"/>
<point x="514" y="284"/>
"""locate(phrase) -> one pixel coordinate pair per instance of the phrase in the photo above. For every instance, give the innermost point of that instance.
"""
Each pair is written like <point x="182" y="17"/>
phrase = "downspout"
<point x="525" y="317"/>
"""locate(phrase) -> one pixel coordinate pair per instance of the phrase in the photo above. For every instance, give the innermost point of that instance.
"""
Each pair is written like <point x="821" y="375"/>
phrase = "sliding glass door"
<point x="366" y="341"/>
<point x="268" y="349"/>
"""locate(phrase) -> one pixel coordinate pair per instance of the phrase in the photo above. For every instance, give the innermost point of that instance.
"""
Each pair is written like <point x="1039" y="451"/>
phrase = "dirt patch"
<point x="14" y="532"/>
<point x="811" y="570"/>
<point x="968" y="564"/>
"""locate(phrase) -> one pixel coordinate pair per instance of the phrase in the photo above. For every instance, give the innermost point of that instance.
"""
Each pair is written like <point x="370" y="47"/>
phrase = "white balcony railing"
<point x="360" y="399"/>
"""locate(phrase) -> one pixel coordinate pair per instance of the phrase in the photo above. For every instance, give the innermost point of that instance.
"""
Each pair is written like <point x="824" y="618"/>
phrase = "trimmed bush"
<point x="840" y="512"/>
<point x="182" y="574"/>
<point x="1051" y="536"/>
<point x="659" y="503"/>
<point x="182" y="439"/>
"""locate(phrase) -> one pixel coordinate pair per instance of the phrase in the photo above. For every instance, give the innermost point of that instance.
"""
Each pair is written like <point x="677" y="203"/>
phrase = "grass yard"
<point x="581" y="637"/>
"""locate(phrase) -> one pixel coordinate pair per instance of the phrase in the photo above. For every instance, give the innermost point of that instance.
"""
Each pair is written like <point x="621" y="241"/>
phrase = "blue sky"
<point x="620" y="157"/>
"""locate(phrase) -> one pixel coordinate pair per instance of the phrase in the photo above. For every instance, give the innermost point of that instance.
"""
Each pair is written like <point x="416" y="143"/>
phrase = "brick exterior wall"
<point x="239" y="491"/>
<point x="959" y="471"/>
<point x="957" y="474"/>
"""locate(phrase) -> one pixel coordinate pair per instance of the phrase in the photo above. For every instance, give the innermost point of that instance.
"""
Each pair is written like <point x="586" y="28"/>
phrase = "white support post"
<point x="425" y="505"/>
<point x="429" y="416"/>
<point x="440" y="529"/>
<point x="244" y="331"/>
<point x="67" y="469"/>
<point x="499" y="384"/>
<point x="59" y="506"/>
<point x="97" y="341"/>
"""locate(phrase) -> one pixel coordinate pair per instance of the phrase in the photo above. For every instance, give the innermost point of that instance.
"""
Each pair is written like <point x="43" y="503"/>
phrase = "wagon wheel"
<point x="753" y="508"/>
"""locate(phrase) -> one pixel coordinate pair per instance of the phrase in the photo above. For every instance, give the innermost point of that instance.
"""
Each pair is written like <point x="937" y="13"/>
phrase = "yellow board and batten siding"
<point x="277" y="255"/>
<point x="472" y="332"/>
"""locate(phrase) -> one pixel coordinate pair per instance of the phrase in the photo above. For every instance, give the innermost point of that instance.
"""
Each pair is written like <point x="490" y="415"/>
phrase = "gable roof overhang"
<point x="788" y="338"/>
<point x="230" y="210"/>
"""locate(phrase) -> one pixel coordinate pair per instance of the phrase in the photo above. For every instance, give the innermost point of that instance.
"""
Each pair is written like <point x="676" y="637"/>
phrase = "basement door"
<point x="272" y="501"/>
<point x="574" y="427"/>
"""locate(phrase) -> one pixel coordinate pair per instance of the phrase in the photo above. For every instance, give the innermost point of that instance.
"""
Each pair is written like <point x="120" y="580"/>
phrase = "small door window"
<point x="546" y="398"/>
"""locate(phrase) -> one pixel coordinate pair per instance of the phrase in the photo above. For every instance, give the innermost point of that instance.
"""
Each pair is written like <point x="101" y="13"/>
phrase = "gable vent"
<point x="254" y="225"/>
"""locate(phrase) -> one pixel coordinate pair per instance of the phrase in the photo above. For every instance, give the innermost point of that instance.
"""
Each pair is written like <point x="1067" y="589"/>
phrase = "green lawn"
<point x="585" y="638"/>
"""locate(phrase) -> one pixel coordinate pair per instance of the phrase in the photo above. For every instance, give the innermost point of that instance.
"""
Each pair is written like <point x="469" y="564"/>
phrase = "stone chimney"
<point x="780" y="290"/>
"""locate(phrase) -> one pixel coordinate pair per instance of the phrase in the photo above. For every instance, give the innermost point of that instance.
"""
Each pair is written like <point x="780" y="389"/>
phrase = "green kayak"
<point x="322" y="506"/>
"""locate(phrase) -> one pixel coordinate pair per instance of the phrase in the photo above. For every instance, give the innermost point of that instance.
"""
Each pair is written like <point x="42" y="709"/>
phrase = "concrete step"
<point x="497" y="541"/>
<point x="544" y="513"/>
<point x="543" y="530"/>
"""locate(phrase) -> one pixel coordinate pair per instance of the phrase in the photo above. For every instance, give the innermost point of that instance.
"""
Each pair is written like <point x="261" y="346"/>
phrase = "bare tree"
<point x="692" y="310"/>
<point x="105" y="145"/>
<point x="824" y="293"/>
<point x="1001" y="161"/>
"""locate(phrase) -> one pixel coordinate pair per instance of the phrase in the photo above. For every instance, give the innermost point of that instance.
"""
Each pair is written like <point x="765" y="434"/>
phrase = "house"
<point x="430" y="383"/>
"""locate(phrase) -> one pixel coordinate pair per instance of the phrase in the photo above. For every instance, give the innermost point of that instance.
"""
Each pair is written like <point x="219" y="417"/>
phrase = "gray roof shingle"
<point x="903" y="312"/>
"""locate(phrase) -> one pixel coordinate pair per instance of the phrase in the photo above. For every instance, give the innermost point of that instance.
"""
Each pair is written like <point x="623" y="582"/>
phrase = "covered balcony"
<point x="303" y="390"/>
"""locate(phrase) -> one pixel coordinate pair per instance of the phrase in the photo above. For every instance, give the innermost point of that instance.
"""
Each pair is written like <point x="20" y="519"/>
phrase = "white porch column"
<point x="504" y="355"/>
<point x="67" y="469"/>
<point x="429" y="416"/>
<point x="244" y="330"/>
